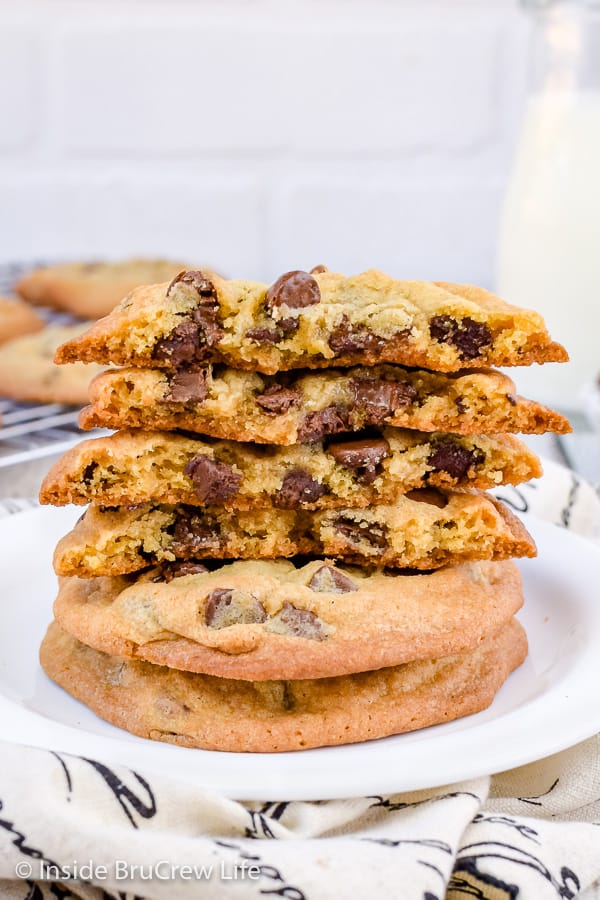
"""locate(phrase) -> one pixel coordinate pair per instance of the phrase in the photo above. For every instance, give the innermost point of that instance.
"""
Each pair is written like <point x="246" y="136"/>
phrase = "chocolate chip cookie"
<point x="307" y="406"/>
<point x="194" y="710"/>
<point x="268" y="620"/>
<point x="424" y="529"/>
<point x="313" y="320"/>
<point x="90" y="290"/>
<point x="133" y="467"/>
<point x="17" y="318"/>
<point x="28" y="372"/>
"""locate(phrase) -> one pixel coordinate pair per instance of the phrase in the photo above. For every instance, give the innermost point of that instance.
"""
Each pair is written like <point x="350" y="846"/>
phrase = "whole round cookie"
<point x="17" y="318"/>
<point x="265" y="717"/>
<point x="92" y="289"/>
<point x="28" y="372"/>
<point x="261" y="620"/>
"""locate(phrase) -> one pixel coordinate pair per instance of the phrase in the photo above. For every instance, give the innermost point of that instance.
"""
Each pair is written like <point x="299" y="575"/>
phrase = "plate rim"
<point x="314" y="780"/>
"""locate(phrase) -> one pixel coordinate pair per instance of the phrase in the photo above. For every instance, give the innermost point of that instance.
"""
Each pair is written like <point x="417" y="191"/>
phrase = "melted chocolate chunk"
<point x="183" y="345"/>
<point x="468" y="336"/>
<point x="278" y="399"/>
<point x="329" y="580"/>
<point x="195" y="533"/>
<point x="191" y="340"/>
<point x="208" y="325"/>
<point x="453" y="458"/>
<point x="214" y="482"/>
<point x="185" y="387"/>
<point x="295" y="290"/>
<point x="200" y="282"/>
<point x="428" y="495"/>
<point x="347" y="338"/>
<point x="298" y="622"/>
<point x="330" y="420"/>
<point x="298" y="487"/>
<point x="363" y="456"/>
<point x="178" y="569"/>
<point x="273" y="335"/>
<point x="372" y="533"/>
<point x="88" y="473"/>
<point x="380" y="399"/>
<point x="222" y="610"/>
<point x="511" y="399"/>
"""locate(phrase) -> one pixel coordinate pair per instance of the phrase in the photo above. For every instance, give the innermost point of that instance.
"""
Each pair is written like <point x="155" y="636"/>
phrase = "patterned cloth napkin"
<point x="532" y="833"/>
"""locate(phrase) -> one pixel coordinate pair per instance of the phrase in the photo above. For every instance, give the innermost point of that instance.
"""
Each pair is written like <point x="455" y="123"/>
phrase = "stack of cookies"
<point x="289" y="541"/>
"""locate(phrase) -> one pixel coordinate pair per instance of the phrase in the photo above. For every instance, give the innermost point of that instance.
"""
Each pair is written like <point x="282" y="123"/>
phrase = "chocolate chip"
<point x="428" y="495"/>
<point x="88" y="473"/>
<point x="363" y="456"/>
<point x="298" y="487"/>
<point x="330" y="420"/>
<point x="347" y="338"/>
<point x="200" y="282"/>
<point x="380" y="399"/>
<point x="318" y="270"/>
<point x="468" y="336"/>
<point x="185" y="387"/>
<point x="214" y="482"/>
<point x="195" y="533"/>
<point x="278" y="399"/>
<point x="299" y="622"/>
<point x="453" y="458"/>
<point x="191" y="339"/>
<point x="178" y="569"/>
<point x="511" y="399"/>
<point x="372" y="533"/>
<point x="208" y="325"/>
<point x="264" y="335"/>
<point x="273" y="335"/>
<point x="295" y="290"/>
<point x="182" y="345"/>
<point x="329" y="580"/>
<point x="222" y="610"/>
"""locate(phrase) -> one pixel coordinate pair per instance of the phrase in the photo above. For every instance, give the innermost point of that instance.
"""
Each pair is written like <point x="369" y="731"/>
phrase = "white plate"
<point x="548" y="704"/>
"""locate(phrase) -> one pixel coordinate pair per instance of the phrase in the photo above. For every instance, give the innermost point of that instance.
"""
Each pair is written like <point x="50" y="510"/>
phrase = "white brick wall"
<point x="260" y="135"/>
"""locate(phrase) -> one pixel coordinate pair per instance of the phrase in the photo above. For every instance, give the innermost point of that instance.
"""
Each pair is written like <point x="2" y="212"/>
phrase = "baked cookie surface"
<point x="28" y="372"/>
<point x="314" y="320"/>
<point x="194" y="710"/>
<point x="90" y="290"/>
<point x="134" y="467"/>
<point x="424" y="529"/>
<point x="300" y="407"/>
<point x="17" y="318"/>
<point x="268" y="620"/>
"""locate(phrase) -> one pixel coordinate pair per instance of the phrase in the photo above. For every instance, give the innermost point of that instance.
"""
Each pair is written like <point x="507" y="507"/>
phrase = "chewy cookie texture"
<point x="302" y="407"/>
<point x="312" y="320"/>
<point x="134" y="467"/>
<point x="272" y="619"/>
<point x="424" y="529"/>
<point x="194" y="710"/>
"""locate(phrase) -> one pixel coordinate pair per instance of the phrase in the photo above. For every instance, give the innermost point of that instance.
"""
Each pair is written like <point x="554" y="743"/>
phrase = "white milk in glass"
<point x="549" y="257"/>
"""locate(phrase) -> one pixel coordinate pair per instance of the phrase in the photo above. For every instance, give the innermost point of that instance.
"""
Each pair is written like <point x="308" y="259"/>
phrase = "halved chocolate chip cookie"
<point x="313" y="320"/>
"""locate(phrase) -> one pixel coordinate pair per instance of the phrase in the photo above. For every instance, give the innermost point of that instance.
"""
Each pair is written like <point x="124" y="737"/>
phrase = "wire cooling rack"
<point x="34" y="431"/>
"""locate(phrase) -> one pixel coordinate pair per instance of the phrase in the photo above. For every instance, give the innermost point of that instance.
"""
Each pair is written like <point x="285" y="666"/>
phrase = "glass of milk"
<point x="549" y="253"/>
